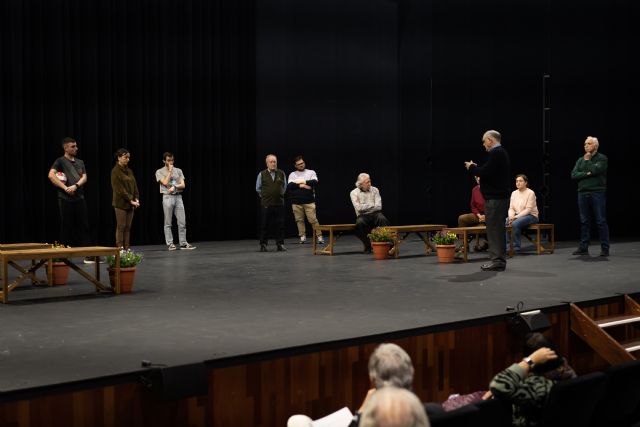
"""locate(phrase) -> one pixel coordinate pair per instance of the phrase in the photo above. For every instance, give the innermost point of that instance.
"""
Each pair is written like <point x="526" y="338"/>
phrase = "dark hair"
<point x="523" y="176"/>
<point x="67" y="140"/>
<point x="166" y="154"/>
<point x="297" y="158"/>
<point x="121" y="152"/>
<point x="535" y="341"/>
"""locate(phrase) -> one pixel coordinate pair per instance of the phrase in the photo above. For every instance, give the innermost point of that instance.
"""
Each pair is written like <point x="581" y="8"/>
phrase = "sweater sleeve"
<point x="514" y="385"/>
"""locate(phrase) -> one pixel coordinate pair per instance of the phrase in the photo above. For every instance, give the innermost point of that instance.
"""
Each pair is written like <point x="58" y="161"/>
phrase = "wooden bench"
<point x="46" y="255"/>
<point x="335" y="231"/>
<point x="30" y="272"/>
<point x="540" y="229"/>
<point x="465" y="232"/>
<point x="422" y="231"/>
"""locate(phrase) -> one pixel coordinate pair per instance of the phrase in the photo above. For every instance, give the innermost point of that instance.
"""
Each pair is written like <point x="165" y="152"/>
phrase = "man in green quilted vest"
<point x="270" y="186"/>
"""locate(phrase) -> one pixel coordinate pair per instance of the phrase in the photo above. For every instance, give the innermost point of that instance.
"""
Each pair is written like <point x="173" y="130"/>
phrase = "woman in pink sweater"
<point x="523" y="210"/>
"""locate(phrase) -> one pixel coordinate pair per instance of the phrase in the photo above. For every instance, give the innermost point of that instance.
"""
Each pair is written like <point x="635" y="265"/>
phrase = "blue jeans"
<point x="172" y="205"/>
<point x="593" y="207"/>
<point x="517" y="226"/>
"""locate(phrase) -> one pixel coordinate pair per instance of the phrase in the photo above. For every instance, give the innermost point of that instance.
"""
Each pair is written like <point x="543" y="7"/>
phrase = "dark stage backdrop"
<point x="405" y="89"/>
<point x="400" y="89"/>
<point x="151" y="76"/>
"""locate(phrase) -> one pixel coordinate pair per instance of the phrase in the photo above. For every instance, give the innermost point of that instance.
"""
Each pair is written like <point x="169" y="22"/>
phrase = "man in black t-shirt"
<point x="69" y="176"/>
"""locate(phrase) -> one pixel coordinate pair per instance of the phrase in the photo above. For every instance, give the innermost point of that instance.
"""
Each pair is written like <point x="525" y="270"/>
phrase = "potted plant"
<point x="382" y="239"/>
<point x="59" y="269"/>
<point x="445" y="245"/>
<point x="128" y="262"/>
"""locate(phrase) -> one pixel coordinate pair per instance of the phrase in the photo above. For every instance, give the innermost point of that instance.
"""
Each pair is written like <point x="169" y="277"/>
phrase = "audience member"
<point x="394" y="407"/>
<point x="527" y="384"/>
<point x="523" y="210"/>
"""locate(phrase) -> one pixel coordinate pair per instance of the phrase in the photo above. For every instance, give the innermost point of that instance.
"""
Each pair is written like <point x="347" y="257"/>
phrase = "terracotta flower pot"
<point x="380" y="249"/>
<point x="127" y="275"/>
<point x="60" y="273"/>
<point x="446" y="253"/>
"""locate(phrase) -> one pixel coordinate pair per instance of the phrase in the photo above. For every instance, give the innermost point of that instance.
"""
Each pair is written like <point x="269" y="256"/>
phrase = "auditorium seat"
<point x="493" y="412"/>
<point x="463" y="416"/>
<point x="572" y="402"/>
<point x="619" y="403"/>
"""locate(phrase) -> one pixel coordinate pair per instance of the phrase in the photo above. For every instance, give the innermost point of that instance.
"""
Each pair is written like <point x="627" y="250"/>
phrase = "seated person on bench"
<point x="476" y="217"/>
<point x="368" y="205"/>
<point x="523" y="210"/>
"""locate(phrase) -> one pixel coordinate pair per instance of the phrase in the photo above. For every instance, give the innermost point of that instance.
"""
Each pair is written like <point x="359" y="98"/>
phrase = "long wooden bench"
<point x="539" y="228"/>
<point x="422" y="230"/>
<point x="401" y="231"/>
<point x="46" y="255"/>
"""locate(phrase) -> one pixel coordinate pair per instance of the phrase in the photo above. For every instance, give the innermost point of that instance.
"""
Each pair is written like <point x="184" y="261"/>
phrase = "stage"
<point x="227" y="302"/>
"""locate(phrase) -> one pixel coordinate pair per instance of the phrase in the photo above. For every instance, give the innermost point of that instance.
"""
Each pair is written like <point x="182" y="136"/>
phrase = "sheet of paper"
<point x="341" y="418"/>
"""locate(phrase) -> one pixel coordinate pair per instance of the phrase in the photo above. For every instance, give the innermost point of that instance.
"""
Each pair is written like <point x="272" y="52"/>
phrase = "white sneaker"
<point x="172" y="247"/>
<point x="187" y="247"/>
<point x="320" y="241"/>
<point x="303" y="239"/>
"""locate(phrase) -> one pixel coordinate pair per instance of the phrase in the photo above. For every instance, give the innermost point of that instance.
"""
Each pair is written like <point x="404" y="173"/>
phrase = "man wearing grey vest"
<point x="270" y="186"/>
<point x="69" y="176"/>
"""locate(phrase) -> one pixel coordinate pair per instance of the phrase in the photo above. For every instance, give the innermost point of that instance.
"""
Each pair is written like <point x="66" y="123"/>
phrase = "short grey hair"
<point x="390" y="365"/>
<point x="494" y="134"/>
<point x="594" y="140"/>
<point x="394" y="407"/>
<point x="270" y="155"/>
<point x="361" y="178"/>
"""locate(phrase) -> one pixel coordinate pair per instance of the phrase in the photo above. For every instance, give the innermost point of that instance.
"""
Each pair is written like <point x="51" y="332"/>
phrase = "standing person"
<point x="476" y="216"/>
<point x="69" y="175"/>
<point x="495" y="179"/>
<point x="270" y="186"/>
<point x="125" y="197"/>
<point x="523" y="210"/>
<point x="368" y="206"/>
<point x="301" y="191"/>
<point x="172" y="185"/>
<point x="590" y="172"/>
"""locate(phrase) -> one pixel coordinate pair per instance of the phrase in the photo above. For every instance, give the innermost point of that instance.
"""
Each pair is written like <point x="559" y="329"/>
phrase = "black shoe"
<point x="281" y="248"/>
<point x="581" y="251"/>
<point x="493" y="266"/>
<point x="263" y="248"/>
<point x="604" y="252"/>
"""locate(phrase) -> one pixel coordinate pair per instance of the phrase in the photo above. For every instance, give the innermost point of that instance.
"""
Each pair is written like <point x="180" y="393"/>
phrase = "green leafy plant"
<point x="128" y="258"/>
<point x="57" y="245"/>
<point x="381" y="234"/>
<point x="444" y="237"/>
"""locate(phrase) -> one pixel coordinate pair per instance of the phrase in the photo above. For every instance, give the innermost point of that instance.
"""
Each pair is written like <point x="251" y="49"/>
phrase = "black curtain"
<point x="151" y="76"/>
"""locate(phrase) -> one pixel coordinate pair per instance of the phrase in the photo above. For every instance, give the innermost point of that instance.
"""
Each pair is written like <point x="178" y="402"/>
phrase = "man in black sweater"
<point x="495" y="185"/>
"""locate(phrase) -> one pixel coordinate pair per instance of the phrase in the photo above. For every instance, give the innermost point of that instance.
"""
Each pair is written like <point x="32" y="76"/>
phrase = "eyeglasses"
<point x="299" y="164"/>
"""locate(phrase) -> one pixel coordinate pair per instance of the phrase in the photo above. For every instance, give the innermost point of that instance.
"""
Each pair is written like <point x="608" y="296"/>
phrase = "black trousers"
<point x="367" y="222"/>
<point x="496" y="211"/>
<point x="74" y="222"/>
<point x="271" y="216"/>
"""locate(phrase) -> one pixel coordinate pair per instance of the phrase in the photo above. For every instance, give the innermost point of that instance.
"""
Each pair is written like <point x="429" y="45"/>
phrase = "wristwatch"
<point x="529" y="362"/>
